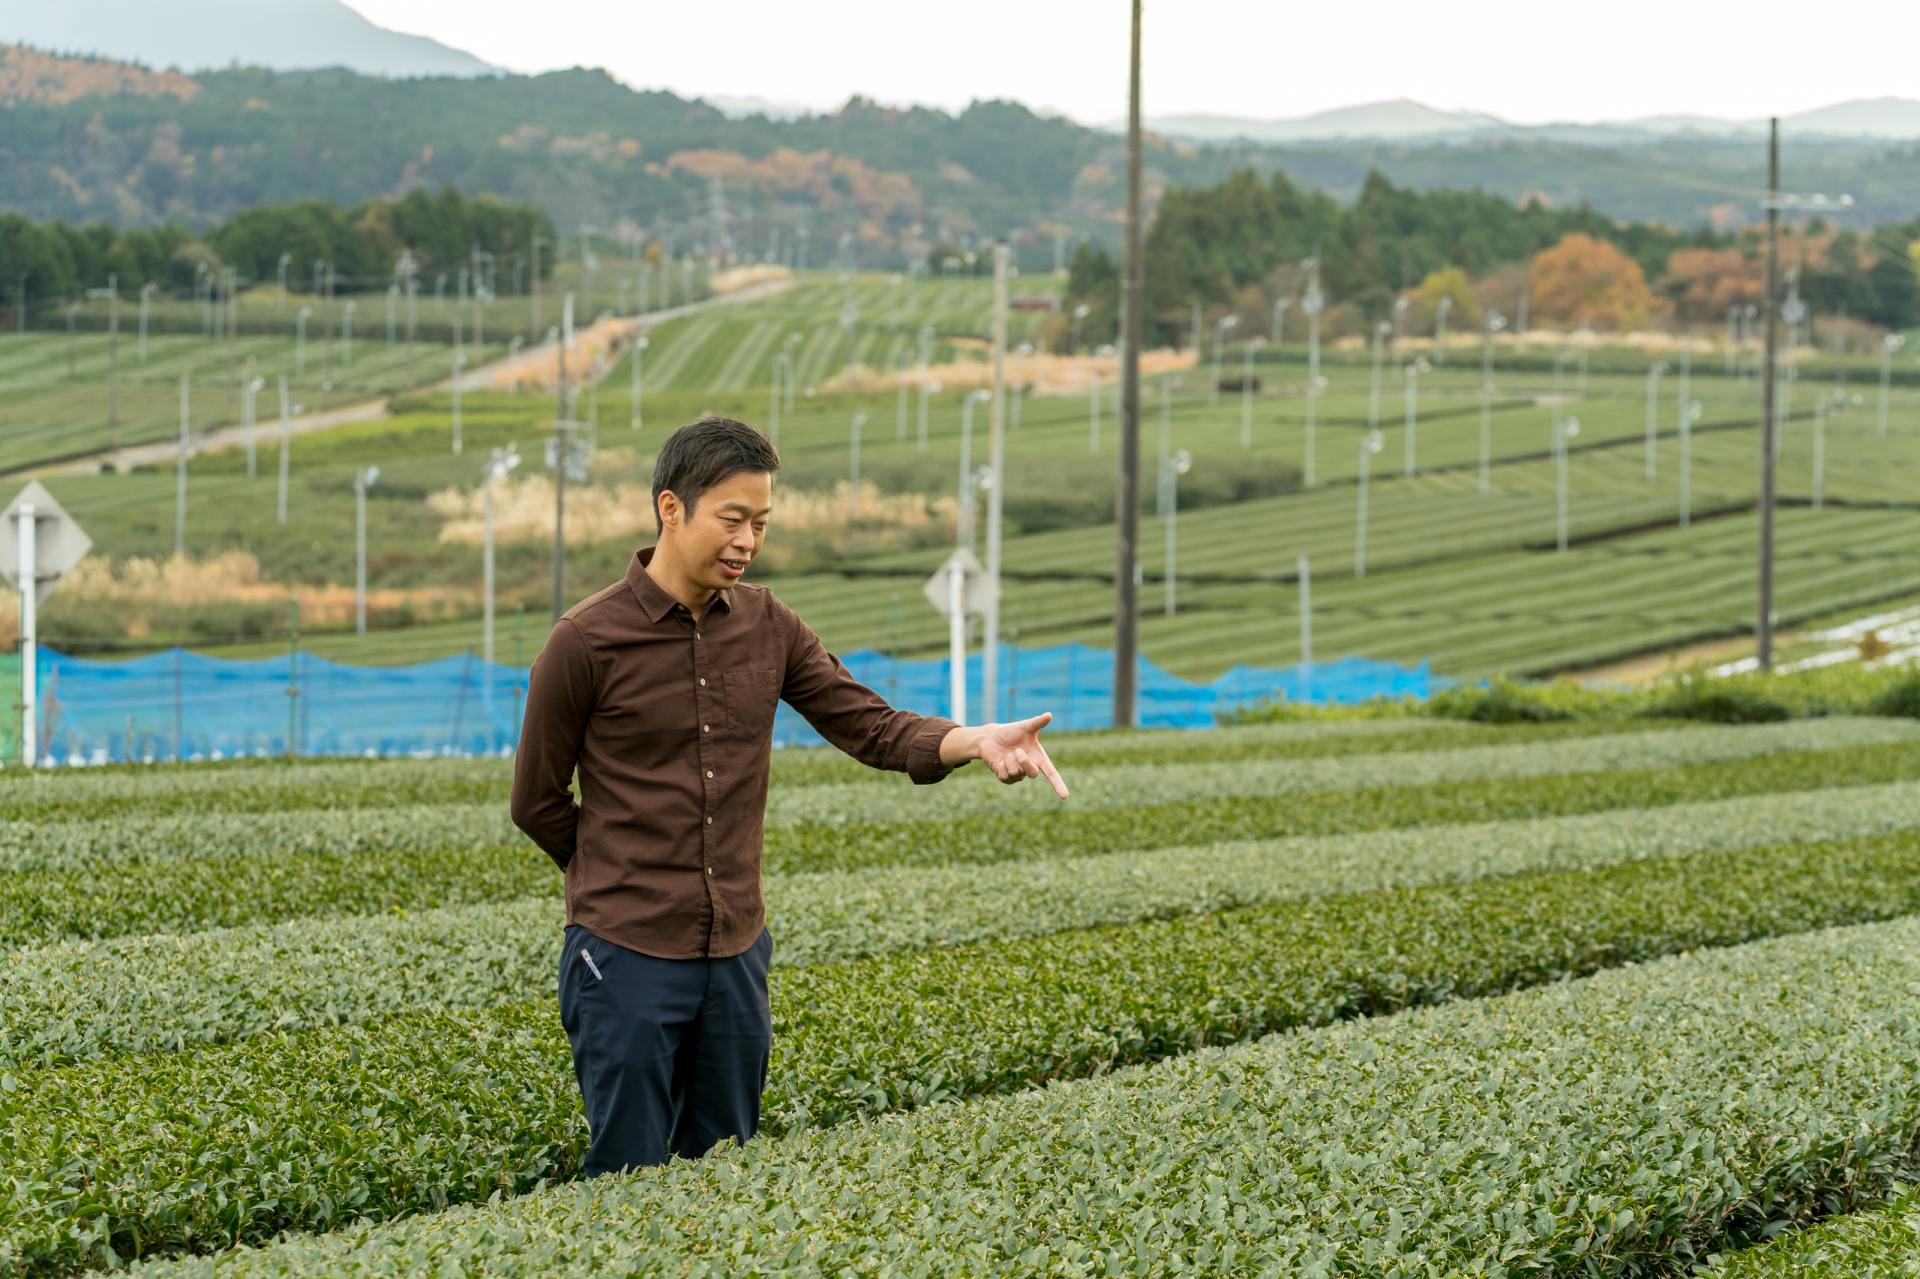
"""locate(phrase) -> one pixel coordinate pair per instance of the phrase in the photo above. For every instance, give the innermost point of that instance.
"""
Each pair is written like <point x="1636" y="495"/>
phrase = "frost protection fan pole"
<point x="29" y="718"/>
<point x="957" y="640"/>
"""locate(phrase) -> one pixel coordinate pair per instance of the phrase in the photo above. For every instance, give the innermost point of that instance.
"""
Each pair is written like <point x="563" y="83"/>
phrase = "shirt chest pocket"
<point x="752" y="694"/>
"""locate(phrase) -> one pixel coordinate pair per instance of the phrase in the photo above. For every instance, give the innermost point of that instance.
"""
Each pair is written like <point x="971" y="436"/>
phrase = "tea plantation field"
<point x="1381" y="997"/>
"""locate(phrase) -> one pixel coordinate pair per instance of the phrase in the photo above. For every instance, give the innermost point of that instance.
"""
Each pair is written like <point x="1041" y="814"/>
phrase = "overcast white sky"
<point x="1529" y="61"/>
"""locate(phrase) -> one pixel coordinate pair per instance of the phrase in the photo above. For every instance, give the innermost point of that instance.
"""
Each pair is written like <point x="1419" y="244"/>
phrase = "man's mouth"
<point x="733" y="568"/>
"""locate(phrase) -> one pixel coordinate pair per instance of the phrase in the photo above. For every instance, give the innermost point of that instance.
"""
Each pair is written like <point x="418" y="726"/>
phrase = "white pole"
<point x="633" y="391"/>
<point x="1560" y="463"/>
<point x="286" y="443"/>
<point x="1413" y="413"/>
<point x="1819" y="450"/>
<point x="996" y="468"/>
<point x="957" y="641"/>
<point x="1888" y="345"/>
<point x="964" y="524"/>
<point x="146" y="291"/>
<point x="1380" y="331"/>
<point x="900" y="405"/>
<point x="180" y="478"/>
<point x="1246" y="394"/>
<point x="1653" y="412"/>
<point x="1306" y="620"/>
<point x="1168" y="483"/>
<point x="1360" y="517"/>
<point x="246" y="421"/>
<point x="29" y="654"/>
<point x="359" y="555"/>
<point x="459" y="360"/>
<point x="853" y="469"/>
<point x="486" y="574"/>
<point x="1093" y="406"/>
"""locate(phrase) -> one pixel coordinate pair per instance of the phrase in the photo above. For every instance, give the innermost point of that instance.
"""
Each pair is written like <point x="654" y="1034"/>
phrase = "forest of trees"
<point x="55" y="260"/>
<point x="1240" y="244"/>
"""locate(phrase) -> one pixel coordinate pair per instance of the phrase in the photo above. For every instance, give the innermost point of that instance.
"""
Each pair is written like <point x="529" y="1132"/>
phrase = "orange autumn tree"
<point x="1582" y="278"/>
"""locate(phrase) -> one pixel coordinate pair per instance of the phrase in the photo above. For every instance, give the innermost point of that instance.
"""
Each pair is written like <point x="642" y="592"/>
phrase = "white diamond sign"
<point x="59" y="542"/>
<point x="976" y="588"/>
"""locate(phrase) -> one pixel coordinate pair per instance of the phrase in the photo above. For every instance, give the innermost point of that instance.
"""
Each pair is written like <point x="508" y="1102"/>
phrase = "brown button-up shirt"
<point x="669" y="720"/>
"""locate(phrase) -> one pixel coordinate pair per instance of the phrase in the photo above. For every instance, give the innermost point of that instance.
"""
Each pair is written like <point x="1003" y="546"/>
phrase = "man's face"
<point x="724" y="532"/>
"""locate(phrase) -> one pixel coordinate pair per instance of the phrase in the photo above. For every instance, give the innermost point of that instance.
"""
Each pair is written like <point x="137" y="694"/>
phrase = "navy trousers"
<point x="671" y="1054"/>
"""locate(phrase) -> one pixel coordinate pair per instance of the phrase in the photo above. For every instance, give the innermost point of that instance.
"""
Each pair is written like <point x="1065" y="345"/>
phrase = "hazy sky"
<point x="1530" y="61"/>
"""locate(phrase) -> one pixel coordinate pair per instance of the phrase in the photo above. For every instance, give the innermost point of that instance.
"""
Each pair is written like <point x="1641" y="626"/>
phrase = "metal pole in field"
<point x="1440" y="310"/>
<point x="1819" y="450"/>
<point x="1312" y="303"/>
<point x="956" y="642"/>
<point x="926" y="389"/>
<point x="459" y="363"/>
<point x="1763" y="624"/>
<point x="1370" y="445"/>
<point x="1171" y="469"/>
<point x="300" y="341"/>
<point x="560" y="451"/>
<point x="1888" y="345"/>
<point x="773" y="398"/>
<point x="1280" y="308"/>
<point x="1093" y="408"/>
<point x="146" y="292"/>
<point x="900" y="405"/>
<point x="1246" y="390"/>
<point x="363" y="479"/>
<point x="249" y="390"/>
<point x="293" y="678"/>
<point x="1380" y="331"/>
<point x="180" y="477"/>
<point x="996" y="473"/>
<point x="634" y="388"/>
<point x="1166" y="432"/>
<point x="286" y="444"/>
<point x="1220" y="327"/>
<point x="1565" y="430"/>
<point x="965" y="522"/>
<point x="1413" y="416"/>
<point x="29" y="653"/>
<point x="1653" y="411"/>
<point x="499" y="464"/>
<point x="346" y="333"/>
<point x="853" y="468"/>
<point x="1306" y="620"/>
<point x="1495" y="322"/>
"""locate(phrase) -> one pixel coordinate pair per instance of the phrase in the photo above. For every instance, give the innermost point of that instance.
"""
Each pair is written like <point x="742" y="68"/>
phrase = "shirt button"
<point x="703" y="681"/>
<point x="709" y="772"/>
<point x="709" y="870"/>
<point x="709" y="819"/>
<point x="696" y="634"/>
<point x="705" y="728"/>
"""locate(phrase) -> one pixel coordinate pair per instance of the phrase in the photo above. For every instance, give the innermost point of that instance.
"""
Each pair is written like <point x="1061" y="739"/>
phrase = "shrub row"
<point x="308" y="1130"/>
<point x="77" y="1000"/>
<point x="271" y="785"/>
<point x="236" y="885"/>
<point x="1881" y="1242"/>
<point x="1626" y="1125"/>
<point x="1134" y="785"/>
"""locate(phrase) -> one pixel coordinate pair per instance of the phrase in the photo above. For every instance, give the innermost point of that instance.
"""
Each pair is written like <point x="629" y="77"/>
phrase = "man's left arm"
<point x="859" y="721"/>
<point x="856" y="719"/>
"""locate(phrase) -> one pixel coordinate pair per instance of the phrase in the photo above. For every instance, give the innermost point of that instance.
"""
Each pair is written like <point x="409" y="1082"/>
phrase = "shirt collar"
<point x="654" y="599"/>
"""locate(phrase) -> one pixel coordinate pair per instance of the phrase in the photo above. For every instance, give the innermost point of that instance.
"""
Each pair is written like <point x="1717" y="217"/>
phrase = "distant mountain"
<point x="1403" y="120"/>
<point x="746" y="106"/>
<point x="197" y="34"/>
<point x="1400" y="118"/>
<point x="1864" y="118"/>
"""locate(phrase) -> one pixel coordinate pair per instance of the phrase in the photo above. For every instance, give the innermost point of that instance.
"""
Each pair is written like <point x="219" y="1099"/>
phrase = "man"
<point x="661" y="690"/>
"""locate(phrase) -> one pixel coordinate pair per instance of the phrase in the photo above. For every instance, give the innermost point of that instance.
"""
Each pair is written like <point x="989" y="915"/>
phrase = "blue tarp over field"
<point x="213" y="707"/>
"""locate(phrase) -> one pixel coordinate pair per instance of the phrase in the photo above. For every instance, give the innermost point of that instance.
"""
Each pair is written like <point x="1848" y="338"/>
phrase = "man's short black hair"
<point x="702" y="454"/>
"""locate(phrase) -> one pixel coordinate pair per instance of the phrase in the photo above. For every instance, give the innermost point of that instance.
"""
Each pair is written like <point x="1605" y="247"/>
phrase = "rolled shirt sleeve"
<point x="560" y="698"/>
<point x="852" y="716"/>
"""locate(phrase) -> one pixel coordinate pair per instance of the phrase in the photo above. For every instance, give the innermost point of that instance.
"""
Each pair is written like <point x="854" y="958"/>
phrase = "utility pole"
<point x="1125" y="606"/>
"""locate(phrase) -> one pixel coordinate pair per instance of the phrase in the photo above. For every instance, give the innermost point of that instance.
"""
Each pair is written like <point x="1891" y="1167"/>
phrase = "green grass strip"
<point x="196" y="1150"/>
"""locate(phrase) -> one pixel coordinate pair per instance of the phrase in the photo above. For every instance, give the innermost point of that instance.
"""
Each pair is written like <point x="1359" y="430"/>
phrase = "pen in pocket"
<point x="590" y="964"/>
